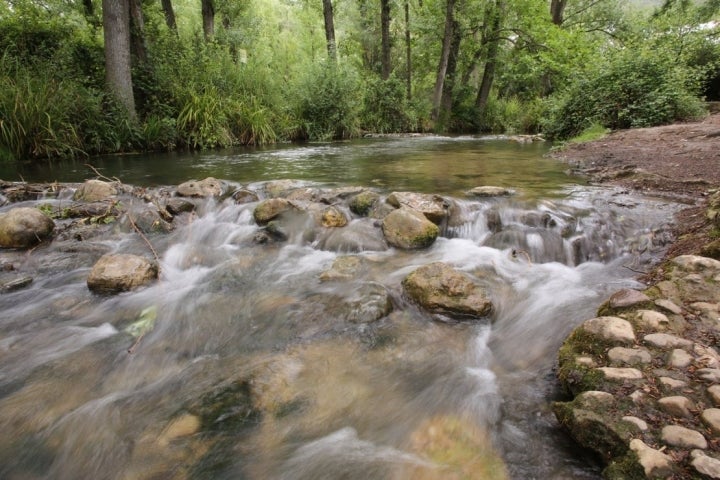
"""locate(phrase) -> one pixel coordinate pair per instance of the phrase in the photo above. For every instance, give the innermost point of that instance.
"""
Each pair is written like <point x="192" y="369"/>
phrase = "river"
<point x="252" y="367"/>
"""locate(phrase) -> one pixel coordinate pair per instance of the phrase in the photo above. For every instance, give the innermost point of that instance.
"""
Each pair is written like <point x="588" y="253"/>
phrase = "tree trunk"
<point x="116" y="32"/>
<point x="408" y="50"/>
<point x="557" y="7"/>
<point x="88" y="8"/>
<point x="329" y="30"/>
<point x="490" y="38"/>
<point x="444" y="58"/>
<point x="385" y="35"/>
<point x="137" y="33"/>
<point x="208" y="18"/>
<point x="169" y="14"/>
<point x="449" y="84"/>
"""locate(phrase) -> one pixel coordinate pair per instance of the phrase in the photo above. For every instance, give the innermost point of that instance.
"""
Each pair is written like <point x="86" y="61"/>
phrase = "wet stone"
<point x="629" y="356"/>
<point x="677" y="436"/>
<point x="627" y="298"/>
<point x="610" y="328"/>
<point x="677" y="406"/>
<point x="655" y="463"/>
<point x="680" y="359"/>
<point x="705" y="464"/>
<point x="711" y="418"/>
<point x="489" y="191"/>
<point x="665" y="340"/>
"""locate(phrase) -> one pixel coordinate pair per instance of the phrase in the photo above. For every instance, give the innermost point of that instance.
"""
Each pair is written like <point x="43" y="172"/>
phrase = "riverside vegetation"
<point x="78" y="79"/>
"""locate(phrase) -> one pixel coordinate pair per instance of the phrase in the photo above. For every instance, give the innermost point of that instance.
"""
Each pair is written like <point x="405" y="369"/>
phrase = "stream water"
<point x="255" y="368"/>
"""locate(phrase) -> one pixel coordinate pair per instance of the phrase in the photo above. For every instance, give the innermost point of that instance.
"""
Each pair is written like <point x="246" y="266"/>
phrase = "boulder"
<point x="209" y="187"/>
<point x="24" y="227"/>
<point x="175" y="206"/>
<point x="358" y="236"/>
<point x="362" y="203"/>
<point x="408" y="229"/>
<point x="333" y="217"/>
<point x="269" y="209"/>
<point x="244" y="196"/>
<point x="115" y="273"/>
<point x="95" y="191"/>
<point x="441" y="289"/>
<point x="434" y="207"/>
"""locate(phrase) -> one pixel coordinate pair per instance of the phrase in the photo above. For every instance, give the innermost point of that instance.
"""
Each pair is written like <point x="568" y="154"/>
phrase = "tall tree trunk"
<point x="137" y="33"/>
<point x="449" y="84"/>
<point x="444" y="58"/>
<point x="557" y="8"/>
<point x="208" y="17"/>
<point x="116" y="32"/>
<point x="408" y="50"/>
<point x="169" y="15"/>
<point x="490" y="38"/>
<point x="385" y="37"/>
<point x="329" y="30"/>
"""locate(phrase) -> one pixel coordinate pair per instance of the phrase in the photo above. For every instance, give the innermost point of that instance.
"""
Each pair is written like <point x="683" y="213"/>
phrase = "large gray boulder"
<point x="409" y="229"/>
<point x="24" y="227"/>
<point x="434" y="207"/>
<point x="95" y="191"/>
<point x="439" y="288"/>
<point x="115" y="273"/>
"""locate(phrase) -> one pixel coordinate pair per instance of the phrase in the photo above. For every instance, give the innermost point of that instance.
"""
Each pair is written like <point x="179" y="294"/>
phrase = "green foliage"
<point x="631" y="90"/>
<point x="595" y="131"/>
<point x="386" y="107"/>
<point x="328" y="102"/>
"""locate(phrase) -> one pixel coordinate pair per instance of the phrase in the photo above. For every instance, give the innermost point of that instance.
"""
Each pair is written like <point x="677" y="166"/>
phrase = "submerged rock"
<point x="115" y="273"/>
<point x="490" y="191"/>
<point x="24" y="227"/>
<point x="441" y="289"/>
<point x="95" y="191"/>
<point x="409" y="229"/>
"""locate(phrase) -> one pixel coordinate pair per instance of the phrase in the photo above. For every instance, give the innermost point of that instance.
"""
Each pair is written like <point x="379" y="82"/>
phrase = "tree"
<point x="169" y="15"/>
<point x="329" y="30"/>
<point x="557" y="8"/>
<point x="491" y="38"/>
<point x="208" y="19"/>
<point x="386" y="45"/>
<point x="137" y="33"/>
<point x="444" y="58"/>
<point x="408" y="50"/>
<point x="118" y="73"/>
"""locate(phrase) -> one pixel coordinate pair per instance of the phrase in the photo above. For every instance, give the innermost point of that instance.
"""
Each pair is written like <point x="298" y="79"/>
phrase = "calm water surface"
<point x="251" y="366"/>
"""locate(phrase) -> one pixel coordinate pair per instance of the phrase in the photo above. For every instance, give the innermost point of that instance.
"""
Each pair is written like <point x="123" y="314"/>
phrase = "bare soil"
<point x="679" y="162"/>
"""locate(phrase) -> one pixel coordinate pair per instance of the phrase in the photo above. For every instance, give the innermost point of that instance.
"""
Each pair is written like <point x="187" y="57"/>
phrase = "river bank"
<point x="644" y="376"/>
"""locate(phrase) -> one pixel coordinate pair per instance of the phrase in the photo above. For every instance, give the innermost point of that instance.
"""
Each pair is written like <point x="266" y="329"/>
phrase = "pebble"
<point x="711" y="417"/>
<point x="627" y="298"/>
<point x="638" y="422"/>
<point x="677" y="406"/>
<point x="665" y="340"/>
<point x="709" y="374"/>
<point x="668" y="305"/>
<point x="704" y="464"/>
<point x="651" y="320"/>
<point x="714" y="393"/>
<point x="677" y="436"/>
<point x="680" y="359"/>
<point x="655" y="463"/>
<point x="629" y="356"/>
<point x="672" y="383"/>
<point x="612" y="373"/>
<point x="611" y="328"/>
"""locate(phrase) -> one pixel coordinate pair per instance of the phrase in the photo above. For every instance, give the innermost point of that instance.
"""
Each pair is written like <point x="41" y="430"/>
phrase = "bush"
<point x="328" y="102"/>
<point x="632" y="90"/>
<point x="386" y="108"/>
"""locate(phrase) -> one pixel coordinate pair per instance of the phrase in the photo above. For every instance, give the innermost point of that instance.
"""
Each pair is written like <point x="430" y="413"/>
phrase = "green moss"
<point x="626" y="467"/>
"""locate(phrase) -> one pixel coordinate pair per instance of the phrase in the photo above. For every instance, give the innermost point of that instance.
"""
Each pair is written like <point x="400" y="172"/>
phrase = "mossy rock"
<point x="712" y="249"/>
<point x="362" y="203"/>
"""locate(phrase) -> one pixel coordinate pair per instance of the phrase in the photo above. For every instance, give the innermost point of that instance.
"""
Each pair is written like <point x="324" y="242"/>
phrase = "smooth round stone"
<point x="629" y="356"/>
<point x="680" y="359"/>
<point x="711" y="418"/>
<point x="665" y="340"/>
<point x="655" y="463"/>
<point x="612" y="373"/>
<point x="612" y="329"/>
<point x="678" y="406"/>
<point x="677" y="436"/>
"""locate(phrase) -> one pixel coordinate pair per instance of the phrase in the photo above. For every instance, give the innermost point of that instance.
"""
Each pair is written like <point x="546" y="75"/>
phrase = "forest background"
<point x="83" y="77"/>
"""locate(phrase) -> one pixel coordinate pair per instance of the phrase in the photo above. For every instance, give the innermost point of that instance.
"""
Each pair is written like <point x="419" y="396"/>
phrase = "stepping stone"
<point x="677" y="406"/>
<point x="711" y="417"/>
<point x="629" y="356"/>
<point x="612" y="329"/>
<point x="672" y="383"/>
<point x="627" y="298"/>
<point x="705" y="464"/>
<point x="651" y="320"/>
<point x="714" y="393"/>
<point x="665" y="340"/>
<point x="655" y="463"/>
<point x="669" y="306"/>
<point x="680" y="359"/>
<point x="612" y="373"/>
<point x="709" y="374"/>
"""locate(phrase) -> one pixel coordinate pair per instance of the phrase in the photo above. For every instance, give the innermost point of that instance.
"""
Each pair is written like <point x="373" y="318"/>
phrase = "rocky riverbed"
<point x="644" y="376"/>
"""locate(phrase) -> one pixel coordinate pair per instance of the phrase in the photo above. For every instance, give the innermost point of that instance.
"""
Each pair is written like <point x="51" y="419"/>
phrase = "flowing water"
<point x="250" y="366"/>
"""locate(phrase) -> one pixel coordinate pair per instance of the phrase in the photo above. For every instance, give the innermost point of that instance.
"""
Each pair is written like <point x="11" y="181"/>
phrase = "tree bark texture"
<point x="137" y="32"/>
<point x="169" y="14"/>
<point x="491" y="39"/>
<point x="116" y="32"/>
<point x="329" y="29"/>
<point x="557" y="8"/>
<point x="208" y="18"/>
<point x="385" y="38"/>
<point x="444" y="58"/>
<point x="449" y="84"/>
<point x="408" y="50"/>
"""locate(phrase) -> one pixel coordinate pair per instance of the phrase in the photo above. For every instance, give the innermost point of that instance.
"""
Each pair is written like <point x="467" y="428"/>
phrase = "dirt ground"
<point x="679" y="161"/>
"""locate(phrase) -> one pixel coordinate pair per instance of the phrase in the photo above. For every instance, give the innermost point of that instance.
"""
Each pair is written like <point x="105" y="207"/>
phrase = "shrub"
<point x="386" y="108"/>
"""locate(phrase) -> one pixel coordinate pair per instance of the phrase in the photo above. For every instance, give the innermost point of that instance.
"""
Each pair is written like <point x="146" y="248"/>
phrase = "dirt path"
<point x="680" y="161"/>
